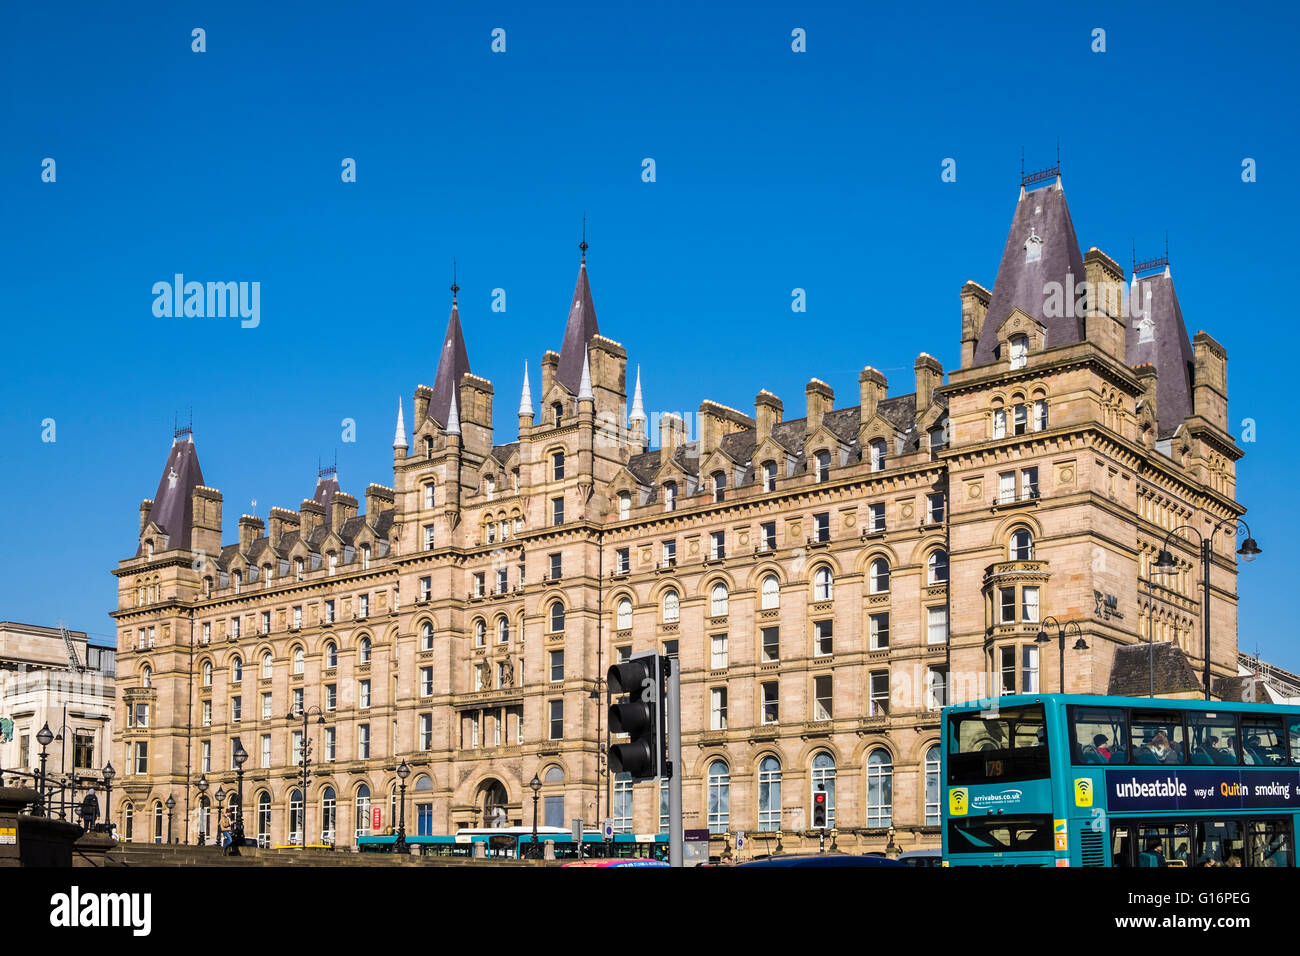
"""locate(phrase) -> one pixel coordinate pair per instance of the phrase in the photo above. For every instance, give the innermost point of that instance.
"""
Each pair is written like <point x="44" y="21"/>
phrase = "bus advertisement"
<point x="1069" y="780"/>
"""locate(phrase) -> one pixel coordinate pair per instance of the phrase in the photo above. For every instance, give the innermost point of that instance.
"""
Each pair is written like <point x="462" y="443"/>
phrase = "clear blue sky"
<point x="775" y="170"/>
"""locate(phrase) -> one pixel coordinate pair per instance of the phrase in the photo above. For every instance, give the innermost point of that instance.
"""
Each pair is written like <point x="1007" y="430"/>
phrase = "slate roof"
<point x="1130" y="673"/>
<point x="1021" y="284"/>
<point x="173" y="502"/>
<point x="578" y="332"/>
<point x="502" y="453"/>
<point x="1160" y="338"/>
<point x="326" y="486"/>
<point x="899" y="411"/>
<point x="453" y="364"/>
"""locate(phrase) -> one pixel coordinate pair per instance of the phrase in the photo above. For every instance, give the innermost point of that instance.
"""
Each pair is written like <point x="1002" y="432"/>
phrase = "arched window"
<point x="328" y="816"/>
<point x="822" y="584"/>
<point x="490" y="532"/>
<point x="331" y="654"/>
<point x="879" y="577"/>
<point x="503" y="630"/>
<point x="823" y="466"/>
<point x="264" y="819"/>
<point x="1022" y="545"/>
<point x="823" y="775"/>
<point x="426" y="636"/>
<point x="207" y="673"/>
<point x="879" y="453"/>
<point x="937" y="567"/>
<point x="1019" y="350"/>
<point x="624" y="505"/>
<point x="672" y="607"/>
<point x="363" y="810"/>
<point x="429" y="494"/>
<point x="719" y="479"/>
<point x="554" y="775"/>
<point x="999" y="419"/>
<point x="480" y="633"/>
<point x="128" y="821"/>
<point x="205" y="821"/>
<point x="880" y="789"/>
<point x="365" y="648"/>
<point x="624" y="621"/>
<point x="719" y="797"/>
<point x="146" y="677"/>
<point x="557" y="617"/>
<point x="718" y="602"/>
<point x="932" y="787"/>
<point x="769" y="794"/>
<point x="236" y="669"/>
<point x="268" y="663"/>
<point x="771" y="593"/>
<point x="769" y="476"/>
<point x="157" y="821"/>
<point x="670" y="496"/>
<point x="557" y="465"/>
<point x="299" y="660"/>
<point x="295" y="817"/>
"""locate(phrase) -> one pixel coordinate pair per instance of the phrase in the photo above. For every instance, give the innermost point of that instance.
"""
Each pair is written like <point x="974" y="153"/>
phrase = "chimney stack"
<point x="283" y="521"/>
<point x="1210" y="380"/>
<point x="929" y="376"/>
<point x="422" y="395"/>
<point x="672" y="432"/>
<point x="974" y="309"/>
<point x="872" y="387"/>
<point x="767" y="413"/>
<point x="250" y="529"/>
<point x="821" y="399"/>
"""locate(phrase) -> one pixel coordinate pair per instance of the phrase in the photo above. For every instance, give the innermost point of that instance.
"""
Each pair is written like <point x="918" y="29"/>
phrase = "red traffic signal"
<point x="819" y="808"/>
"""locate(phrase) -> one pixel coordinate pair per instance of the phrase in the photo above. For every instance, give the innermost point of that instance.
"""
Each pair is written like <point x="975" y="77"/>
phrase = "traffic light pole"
<point x="673" y="719"/>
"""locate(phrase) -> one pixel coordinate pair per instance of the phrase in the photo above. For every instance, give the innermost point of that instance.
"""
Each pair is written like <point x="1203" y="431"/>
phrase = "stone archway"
<point x="492" y="804"/>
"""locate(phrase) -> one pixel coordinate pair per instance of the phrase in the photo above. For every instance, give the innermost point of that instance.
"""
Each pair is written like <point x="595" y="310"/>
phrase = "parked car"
<point x="922" y="858"/>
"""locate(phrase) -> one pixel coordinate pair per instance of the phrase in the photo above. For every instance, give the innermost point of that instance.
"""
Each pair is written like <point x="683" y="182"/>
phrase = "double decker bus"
<point x="1075" y="780"/>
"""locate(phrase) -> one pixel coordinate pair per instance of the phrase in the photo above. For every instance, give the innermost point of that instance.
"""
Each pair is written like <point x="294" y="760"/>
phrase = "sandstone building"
<point x="826" y="579"/>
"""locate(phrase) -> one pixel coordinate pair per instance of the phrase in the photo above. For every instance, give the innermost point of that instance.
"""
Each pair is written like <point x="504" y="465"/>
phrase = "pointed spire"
<point x="453" y="363"/>
<point x="1040" y="269"/>
<point x="580" y="328"/>
<point x="173" y="502"/>
<point x="453" y="418"/>
<point x="584" y="387"/>
<point x="638" y="409"/>
<point x="1157" y="335"/>
<point x="526" y="396"/>
<point x="399" y="437"/>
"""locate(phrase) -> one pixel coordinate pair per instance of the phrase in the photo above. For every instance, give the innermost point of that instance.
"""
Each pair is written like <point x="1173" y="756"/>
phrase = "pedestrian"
<point x="227" y="833"/>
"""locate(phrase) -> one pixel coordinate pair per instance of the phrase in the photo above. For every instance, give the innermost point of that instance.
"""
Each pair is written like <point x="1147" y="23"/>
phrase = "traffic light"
<point x="640" y="715"/>
<point x="819" y="808"/>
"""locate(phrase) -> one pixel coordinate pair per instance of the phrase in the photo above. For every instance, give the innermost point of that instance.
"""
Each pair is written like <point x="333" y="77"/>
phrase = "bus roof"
<point x="1100" y="700"/>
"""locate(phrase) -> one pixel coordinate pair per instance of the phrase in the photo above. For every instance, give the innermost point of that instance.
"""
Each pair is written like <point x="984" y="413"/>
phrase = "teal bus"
<point x="1073" y="780"/>
<point x="515" y="843"/>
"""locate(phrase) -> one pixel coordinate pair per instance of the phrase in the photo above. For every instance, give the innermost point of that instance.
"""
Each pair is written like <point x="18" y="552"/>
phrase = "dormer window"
<point x="239" y="580"/>
<point x="267" y="575"/>
<point x="334" y="561"/>
<point x="1033" y="246"/>
<point x="624" y="505"/>
<point x="719" y="479"/>
<point x="298" y="569"/>
<point x="428" y="448"/>
<point x="823" y="466"/>
<point x="557" y="412"/>
<point x="769" y="476"/>
<point x="489" y="486"/>
<point x="1019" y="349"/>
<point x="365" y="557"/>
<point x="670" y="496"/>
<point x="148" y="550"/>
<point x="879" y="454"/>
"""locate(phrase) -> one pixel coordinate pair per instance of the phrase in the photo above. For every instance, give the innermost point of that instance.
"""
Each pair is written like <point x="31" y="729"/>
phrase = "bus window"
<point x="1261" y="741"/>
<point x="1270" y="842"/>
<point x="1006" y="745"/>
<point x="1157" y="737"/>
<point x="1295" y="740"/>
<point x="1099" y="734"/>
<point x="1219" y="843"/>
<point x="1120" y="844"/>
<point x="1212" y="738"/>
<point x="1163" y="844"/>
<point x="1031" y="832"/>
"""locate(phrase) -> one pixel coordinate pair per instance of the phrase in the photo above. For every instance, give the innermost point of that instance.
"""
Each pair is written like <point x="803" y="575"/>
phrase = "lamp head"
<point x="45" y="736"/>
<point x="220" y="795"/>
<point x="1249" y="550"/>
<point x="109" y="772"/>
<point x="202" y="784"/>
<point x="1164" y="561"/>
<point x="535" y="783"/>
<point x="1042" y="637"/>
<point x="403" y="770"/>
<point x="171" y="802"/>
<point x="1081" y="645"/>
<point x="240" y="754"/>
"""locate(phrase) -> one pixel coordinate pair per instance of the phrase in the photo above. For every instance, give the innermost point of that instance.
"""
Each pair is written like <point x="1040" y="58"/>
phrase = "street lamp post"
<point x="44" y="737"/>
<point x="109" y="774"/>
<point x="536" y="786"/>
<point x="170" y="805"/>
<point x="219" y="798"/>
<point x="1061" y="630"/>
<point x="1248" y="551"/>
<point x="202" y="786"/>
<point x="399" y="845"/>
<point x="237" y="838"/>
<point x="305" y="762"/>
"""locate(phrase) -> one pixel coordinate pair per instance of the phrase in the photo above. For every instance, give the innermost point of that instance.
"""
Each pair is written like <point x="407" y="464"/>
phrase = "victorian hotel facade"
<point x="825" y="581"/>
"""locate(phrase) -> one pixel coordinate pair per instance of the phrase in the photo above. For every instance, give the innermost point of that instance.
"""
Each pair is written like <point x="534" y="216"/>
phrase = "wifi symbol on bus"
<point x="958" y="802"/>
<point x="1083" y="792"/>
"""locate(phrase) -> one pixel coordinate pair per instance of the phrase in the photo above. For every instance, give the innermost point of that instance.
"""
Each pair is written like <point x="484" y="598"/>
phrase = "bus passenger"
<point x="1160" y="747"/>
<point x="1154" y="855"/>
<point x="1099" y="742"/>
